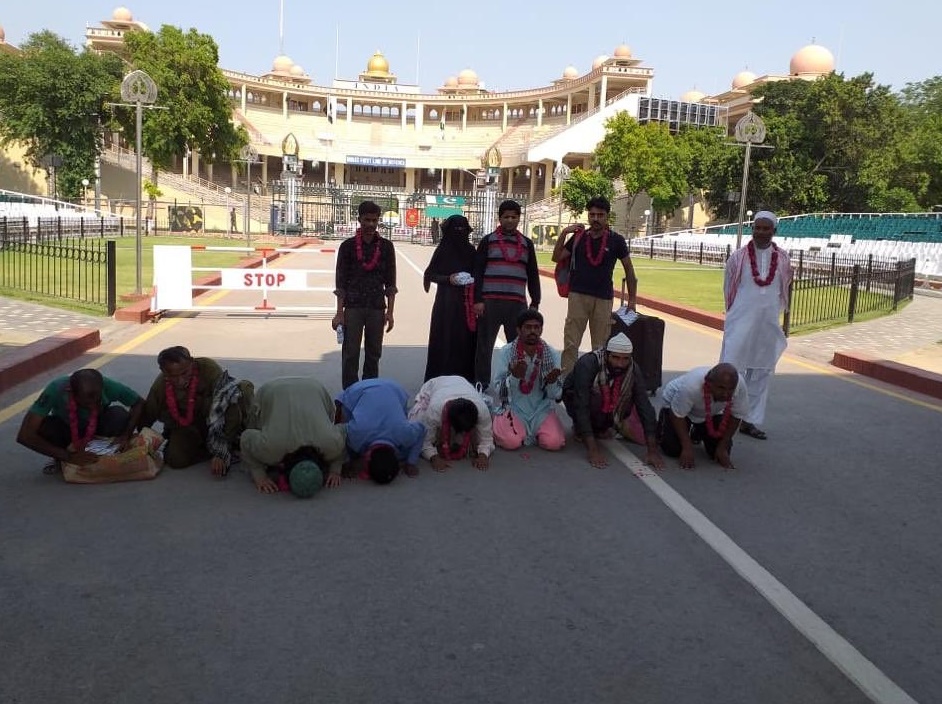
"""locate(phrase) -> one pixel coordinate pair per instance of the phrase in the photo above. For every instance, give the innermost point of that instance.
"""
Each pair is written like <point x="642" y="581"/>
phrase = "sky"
<point x="519" y="45"/>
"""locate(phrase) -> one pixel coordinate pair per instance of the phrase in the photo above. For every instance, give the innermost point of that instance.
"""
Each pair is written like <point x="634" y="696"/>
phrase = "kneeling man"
<point x="599" y="394"/>
<point x="526" y="377"/>
<point x="72" y="410"/>
<point x="293" y="419"/>
<point x="689" y="414"/>
<point x="457" y="422"/>
<point x="380" y="435"/>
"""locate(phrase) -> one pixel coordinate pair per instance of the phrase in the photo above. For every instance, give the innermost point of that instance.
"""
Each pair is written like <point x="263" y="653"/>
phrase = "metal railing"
<point x="81" y="271"/>
<point x="825" y="288"/>
<point x="24" y="229"/>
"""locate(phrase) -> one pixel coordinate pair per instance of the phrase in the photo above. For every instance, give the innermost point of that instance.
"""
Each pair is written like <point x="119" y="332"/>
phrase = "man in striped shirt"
<point x="505" y="270"/>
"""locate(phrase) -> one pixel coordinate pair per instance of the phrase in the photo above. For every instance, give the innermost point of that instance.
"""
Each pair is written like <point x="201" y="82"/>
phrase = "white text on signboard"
<point x="274" y="280"/>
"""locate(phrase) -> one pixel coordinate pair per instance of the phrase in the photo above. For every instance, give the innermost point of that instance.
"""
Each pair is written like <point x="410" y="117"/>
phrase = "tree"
<point x="922" y="103"/>
<point x="646" y="158"/>
<point x="51" y="97"/>
<point x="189" y="83"/>
<point x="581" y="187"/>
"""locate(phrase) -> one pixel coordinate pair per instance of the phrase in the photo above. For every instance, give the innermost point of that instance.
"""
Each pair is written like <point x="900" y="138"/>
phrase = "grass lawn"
<point x="55" y="278"/>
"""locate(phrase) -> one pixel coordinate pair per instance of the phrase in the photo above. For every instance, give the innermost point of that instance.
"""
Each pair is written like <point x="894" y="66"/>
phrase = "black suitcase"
<point x="647" y="337"/>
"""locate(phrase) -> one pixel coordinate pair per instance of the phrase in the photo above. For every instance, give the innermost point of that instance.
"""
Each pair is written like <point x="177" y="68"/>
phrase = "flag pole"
<point x="281" y="28"/>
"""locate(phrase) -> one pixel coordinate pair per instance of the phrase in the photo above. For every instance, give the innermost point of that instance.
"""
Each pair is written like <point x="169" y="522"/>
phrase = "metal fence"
<point x="25" y="229"/>
<point x="331" y="213"/>
<point x="82" y="271"/>
<point x="826" y="288"/>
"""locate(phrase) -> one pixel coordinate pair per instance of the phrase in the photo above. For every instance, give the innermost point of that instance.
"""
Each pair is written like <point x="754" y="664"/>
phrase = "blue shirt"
<point x="374" y="411"/>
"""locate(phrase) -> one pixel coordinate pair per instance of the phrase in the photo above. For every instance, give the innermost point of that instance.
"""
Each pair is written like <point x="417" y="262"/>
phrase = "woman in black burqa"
<point x="451" y="336"/>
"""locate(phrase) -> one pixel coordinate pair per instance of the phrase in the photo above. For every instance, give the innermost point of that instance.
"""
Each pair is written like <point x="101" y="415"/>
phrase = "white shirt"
<point x="430" y="401"/>
<point x="684" y="396"/>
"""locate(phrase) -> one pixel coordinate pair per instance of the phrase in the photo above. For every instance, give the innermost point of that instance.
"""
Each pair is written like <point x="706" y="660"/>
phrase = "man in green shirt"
<point x="72" y="410"/>
<point x="202" y="408"/>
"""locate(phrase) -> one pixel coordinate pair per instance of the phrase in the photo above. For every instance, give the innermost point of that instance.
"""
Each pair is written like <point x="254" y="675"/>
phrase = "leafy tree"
<point x="50" y="98"/>
<point x="189" y="82"/>
<point x="922" y="103"/>
<point x="581" y="187"/>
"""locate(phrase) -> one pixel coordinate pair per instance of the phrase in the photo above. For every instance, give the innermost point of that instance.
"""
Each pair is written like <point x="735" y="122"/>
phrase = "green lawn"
<point x="51" y="281"/>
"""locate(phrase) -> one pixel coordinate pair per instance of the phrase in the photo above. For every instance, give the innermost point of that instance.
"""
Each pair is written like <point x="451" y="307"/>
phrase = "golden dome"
<point x="599" y="60"/>
<point x="467" y="78"/>
<point x="622" y="51"/>
<point x="451" y="82"/>
<point x="692" y="96"/>
<point x="812" y="59"/>
<point x="282" y="64"/>
<point x="377" y="65"/>
<point x="570" y="73"/>
<point x="743" y="78"/>
<point x="122" y="14"/>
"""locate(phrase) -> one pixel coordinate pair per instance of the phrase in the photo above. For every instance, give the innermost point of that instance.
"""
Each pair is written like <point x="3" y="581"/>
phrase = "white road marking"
<point x="863" y="673"/>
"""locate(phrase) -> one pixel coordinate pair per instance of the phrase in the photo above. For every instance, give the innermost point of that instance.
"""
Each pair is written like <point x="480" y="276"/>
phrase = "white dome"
<point x="744" y="78"/>
<point x="692" y="96"/>
<point x="812" y="59"/>
<point x="296" y="70"/>
<point x="451" y="82"/>
<point x="570" y="73"/>
<point x="467" y="78"/>
<point x="622" y="51"/>
<point x="599" y="60"/>
<point x="282" y="64"/>
<point x="122" y="14"/>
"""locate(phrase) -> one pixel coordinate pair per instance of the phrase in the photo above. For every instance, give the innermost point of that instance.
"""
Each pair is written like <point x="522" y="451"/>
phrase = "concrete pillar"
<point x="209" y="172"/>
<point x="539" y="113"/>
<point x="591" y="97"/>
<point x="503" y="119"/>
<point x="547" y="177"/>
<point x="195" y="167"/>
<point x="234" y="176"/>
<point x="448" y="181"/>
<point x="349" y="111"/>
<point x="464" y="118"/>
<point x="402" y="113"/>
<point x="265" y="170"/>
<point x="419" y="116"/>
<point x="532" y="182"/>
<point x="509" y="181"/>
<point x="604" y="95"/>
<point x="284" y="105"/>
<point x="244" y="97"/>
<point x="569" y="109"/>
<point x="410" y="180"/>
<point x="338" y="173"/>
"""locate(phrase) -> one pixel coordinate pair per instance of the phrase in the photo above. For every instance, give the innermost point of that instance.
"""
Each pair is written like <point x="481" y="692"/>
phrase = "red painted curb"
<point x="904" y="375"/>
<point x="49" y="352"/>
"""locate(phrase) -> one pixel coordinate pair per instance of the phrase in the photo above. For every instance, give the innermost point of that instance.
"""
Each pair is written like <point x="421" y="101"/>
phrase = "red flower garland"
<point x="374" y="260"/>
<point x="445" y="449"/>
<point x="596" y="260"/>
<point x="526" y="385"/>
<point x="716" y="433"/>
<point x="470" y="318"/>
<point x="505" y="248"/>
<point x="611" y="395"/>
<point x="773" y="265"/>
<point x="171" y="395"/>
<point x="79" y="443"/>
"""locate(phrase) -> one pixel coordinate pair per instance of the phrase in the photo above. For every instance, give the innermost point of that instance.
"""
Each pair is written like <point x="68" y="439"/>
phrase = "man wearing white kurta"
<point x="756" y="291"/>
<point x="455" y="416"/>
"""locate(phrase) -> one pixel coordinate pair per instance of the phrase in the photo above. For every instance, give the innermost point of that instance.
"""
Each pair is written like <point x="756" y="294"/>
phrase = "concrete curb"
<point x="903" y="375"/>
<point x="47" y="353"/>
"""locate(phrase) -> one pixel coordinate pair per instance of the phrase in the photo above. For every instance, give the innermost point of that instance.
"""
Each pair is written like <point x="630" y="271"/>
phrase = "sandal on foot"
<point x="752" y="431"/>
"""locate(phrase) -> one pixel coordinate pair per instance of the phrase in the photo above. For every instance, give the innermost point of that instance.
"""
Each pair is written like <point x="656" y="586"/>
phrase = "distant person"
<point x="233" y="225"/>
<point x="505" y="270"/>
<point x="381" y="439"/>
<point x="690" y="416"/>
<point x="202" y="408"/>
<point x="592" y="254"/>
<point x="436" y="230"/>
<point x="74" y="409"/>
<point x="756" y="292"/>
<point x="527" y="377"/>
<point x="366" y="295"/>
<point x="457" y="423"/>
<point x="292" y="443"/>
<point x="452" y="334"/>
<point x="599" y="394"/>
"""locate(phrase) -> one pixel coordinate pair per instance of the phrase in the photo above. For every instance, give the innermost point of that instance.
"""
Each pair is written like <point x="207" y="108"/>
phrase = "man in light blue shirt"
<point x="380" y="436"/>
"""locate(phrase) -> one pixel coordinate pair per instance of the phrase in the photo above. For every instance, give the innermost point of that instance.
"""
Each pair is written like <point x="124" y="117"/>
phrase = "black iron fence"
<point x="81" y="271"/>
<point x="21" y="229"/>
<point x="826" y="287"/>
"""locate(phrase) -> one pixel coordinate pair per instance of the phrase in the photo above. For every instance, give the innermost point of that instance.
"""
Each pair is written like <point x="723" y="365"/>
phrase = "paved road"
<point x="542" y="580"/>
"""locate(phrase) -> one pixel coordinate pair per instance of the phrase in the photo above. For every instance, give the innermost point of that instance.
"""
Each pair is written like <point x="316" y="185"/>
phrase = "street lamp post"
<point x="647" y="223"/>
<point x="750" y="130"/>
<point x="561" y="174"/>
<point x="248" y="155"/>
<point x="228" y="219"/>
<point x="84" y="192"/>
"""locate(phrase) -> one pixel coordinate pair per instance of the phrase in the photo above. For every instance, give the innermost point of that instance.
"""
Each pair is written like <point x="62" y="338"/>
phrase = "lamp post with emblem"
<point x="490" y="162"/>
<point x="248" y="155"/>
<point x="291" y="171"/>
<point x="561" y="173"/>
<point x="750" y="130"/>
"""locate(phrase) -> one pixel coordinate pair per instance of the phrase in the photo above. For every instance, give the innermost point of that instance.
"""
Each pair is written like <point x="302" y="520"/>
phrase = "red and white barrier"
<point x="270" y="288"/>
